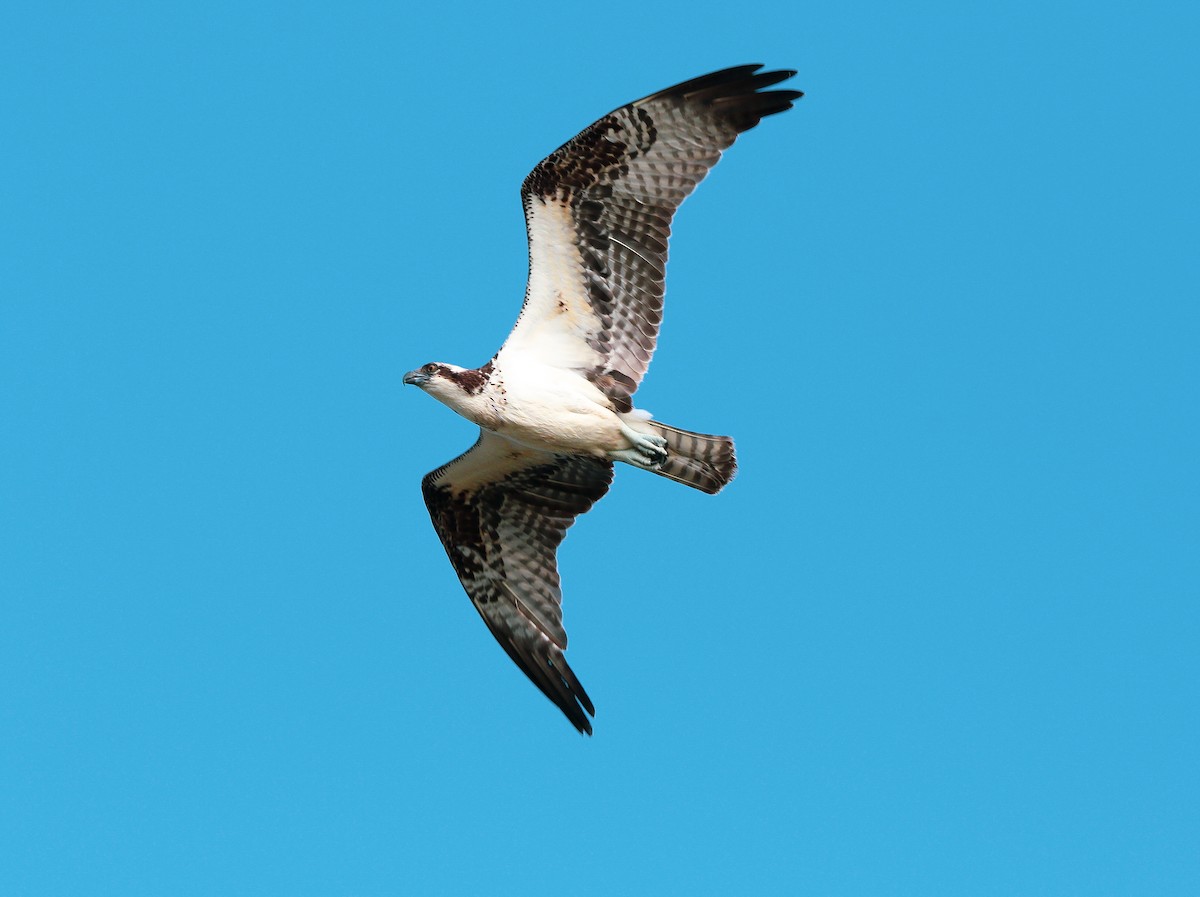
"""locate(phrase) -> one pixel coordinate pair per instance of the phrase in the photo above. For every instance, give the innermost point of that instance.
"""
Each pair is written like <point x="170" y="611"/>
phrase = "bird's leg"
<point x="647" y="449"/>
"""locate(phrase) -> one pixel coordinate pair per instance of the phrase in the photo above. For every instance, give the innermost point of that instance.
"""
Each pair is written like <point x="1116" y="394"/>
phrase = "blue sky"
<point x="940" y="635"/>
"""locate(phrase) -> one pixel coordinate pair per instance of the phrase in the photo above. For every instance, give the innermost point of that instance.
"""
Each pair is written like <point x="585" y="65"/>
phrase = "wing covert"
<point x="598" y="215"/>
<point x="501" y="511"/>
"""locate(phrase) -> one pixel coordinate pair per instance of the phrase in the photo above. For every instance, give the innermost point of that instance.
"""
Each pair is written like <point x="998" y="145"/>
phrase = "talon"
<point x="639" y="458"/>
<point x="656" y="458"/>
<point x="647" y="450"/>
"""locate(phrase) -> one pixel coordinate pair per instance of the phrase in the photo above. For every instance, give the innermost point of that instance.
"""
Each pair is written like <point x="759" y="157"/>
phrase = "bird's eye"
<point x="430" y="369"/>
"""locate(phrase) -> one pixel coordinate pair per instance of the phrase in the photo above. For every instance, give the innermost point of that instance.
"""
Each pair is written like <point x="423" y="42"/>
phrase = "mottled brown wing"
<point x="501" y="511"/>
<point x="598" y="212"/>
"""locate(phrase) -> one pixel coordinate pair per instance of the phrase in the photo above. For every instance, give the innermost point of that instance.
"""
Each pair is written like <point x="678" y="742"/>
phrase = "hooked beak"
<point x="416" y="378"/>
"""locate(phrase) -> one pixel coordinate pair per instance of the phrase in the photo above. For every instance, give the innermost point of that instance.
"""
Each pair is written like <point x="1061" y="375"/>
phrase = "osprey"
<point x="555" y="404"/>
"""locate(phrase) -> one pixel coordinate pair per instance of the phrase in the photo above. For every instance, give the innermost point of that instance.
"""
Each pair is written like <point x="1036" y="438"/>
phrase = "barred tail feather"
<point x="698" y="460"/>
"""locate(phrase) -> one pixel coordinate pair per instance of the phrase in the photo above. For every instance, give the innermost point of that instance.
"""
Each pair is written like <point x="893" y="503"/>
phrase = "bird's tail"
<point x="698" y="460"/>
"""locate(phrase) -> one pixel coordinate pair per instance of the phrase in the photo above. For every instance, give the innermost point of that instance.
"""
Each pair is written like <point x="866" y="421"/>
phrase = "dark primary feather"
<point x="501" y="512"/>
<point x="621" y="180"/>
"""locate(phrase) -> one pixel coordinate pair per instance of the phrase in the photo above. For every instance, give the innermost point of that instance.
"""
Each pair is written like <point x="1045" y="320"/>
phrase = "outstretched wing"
<point x="501" y="511"/>
<point x="598" y="214"/>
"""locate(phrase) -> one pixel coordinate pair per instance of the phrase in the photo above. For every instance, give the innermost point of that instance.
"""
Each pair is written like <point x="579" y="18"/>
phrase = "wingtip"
<point x="576" y="717"/>
<point x="741" y="92"/>
<point x="717" y="83"/>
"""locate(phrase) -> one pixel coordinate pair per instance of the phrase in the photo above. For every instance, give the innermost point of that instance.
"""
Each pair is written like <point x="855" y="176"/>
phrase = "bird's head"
<point x="430" y="377"/>
<point x="445" y="382"/>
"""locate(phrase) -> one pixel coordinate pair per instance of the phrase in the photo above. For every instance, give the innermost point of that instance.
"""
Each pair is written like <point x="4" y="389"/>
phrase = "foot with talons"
<point x="648" y="450"/>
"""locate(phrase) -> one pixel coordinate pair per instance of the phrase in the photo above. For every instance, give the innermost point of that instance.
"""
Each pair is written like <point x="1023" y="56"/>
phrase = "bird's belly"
<point x="558" y="422"/>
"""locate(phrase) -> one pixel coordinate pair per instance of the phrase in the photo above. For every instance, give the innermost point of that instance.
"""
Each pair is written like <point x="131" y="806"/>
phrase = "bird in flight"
<point x="555" y="404"/>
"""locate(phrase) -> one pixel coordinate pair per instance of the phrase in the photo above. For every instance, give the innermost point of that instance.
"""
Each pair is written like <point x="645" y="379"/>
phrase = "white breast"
<point x="548" y="408"/>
